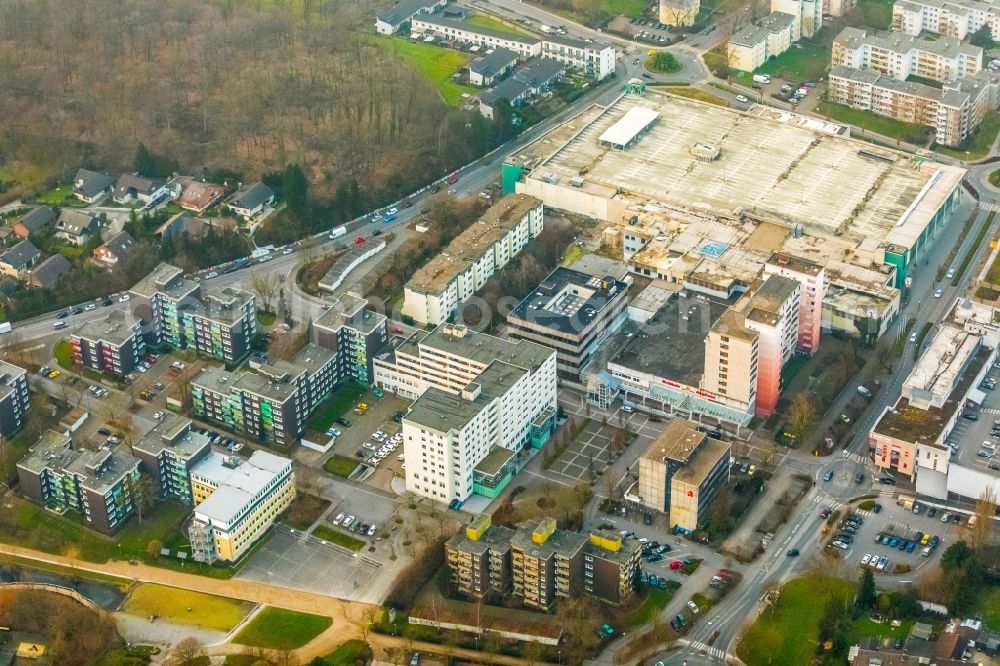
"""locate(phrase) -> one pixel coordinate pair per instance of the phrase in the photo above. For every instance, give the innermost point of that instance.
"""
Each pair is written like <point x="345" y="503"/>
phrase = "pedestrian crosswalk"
<point x="990" y="410"/>
<point x="717" y="653"/>
<point x="995" y="207"/>
<point x="856" y="457"/>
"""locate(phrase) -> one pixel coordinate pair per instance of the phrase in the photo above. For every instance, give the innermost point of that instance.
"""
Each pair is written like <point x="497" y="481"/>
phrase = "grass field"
<point x="172" y="604"/>
<point x="788" y="631"/>
<point x="281" y="629"/>
<point x="343" y="399"/>
<point x="340" y="465"/>
<point x="435" y="63"/>
<point x="63" y="353"/>
<point x="698" y="94"/>
<point x="348" y="654"/>
<point x="60" y="196"/>
<point x="629" y="8"/>
<point x="336" y="536"/>
<point x="989" y="604"/>
<point x="980" y="145"/>
<point x="894" y="129"/>
<point x="487" y="21"/>
<point x="967" y="259"/>
<point x="995" y="178"/>
<point x="663" y="62"/>
<point x="808" y="61"/>
<point x="656" y="600"/>
<point x="266" y="319"/>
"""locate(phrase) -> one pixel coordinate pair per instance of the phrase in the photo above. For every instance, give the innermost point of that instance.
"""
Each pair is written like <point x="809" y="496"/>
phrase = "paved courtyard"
<point x="306" y="563"/>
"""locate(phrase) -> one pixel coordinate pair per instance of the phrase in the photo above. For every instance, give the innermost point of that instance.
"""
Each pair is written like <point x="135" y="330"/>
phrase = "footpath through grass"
<point x="335" y="536"/>
<point x="788" y="631"/>
<point x="186" y="607"/>
<point x="280" y="629"/>
<point x="436" y="63"/>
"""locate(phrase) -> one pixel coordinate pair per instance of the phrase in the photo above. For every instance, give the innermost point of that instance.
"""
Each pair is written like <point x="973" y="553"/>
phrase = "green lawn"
<point x="629" y="8"/>
<point x="340" y="402"/>
<point x="989" y="605"/>
<point x="656" y="600"/>
<point x="280" y="629"/>
<point x="967" y="259"/>
<point x="913" y="78"/>
<point x="336" y="536"/>
<point x="340" y="465"/>
<point x="266" y="319"/>
<point x="808" y="61"/>
<point x="875" y="13"/>
<point x="59" y="196"/>
<point x="894" y="129"/>
<point x="186" y="607"/>
<point x="979" y="146"/>
<point x="436" y="63"/>
<point x="995" y="178"/>
<point x="663" y="62"/>
<point x="63" y="353"/>
<point x="493" y="23"/>
<point x="697" y="94"/>
<point x="31" y="526"/>
<point x="864" y="627"/>
<point x="788" y="631"/>
<point x="349" y="654"/>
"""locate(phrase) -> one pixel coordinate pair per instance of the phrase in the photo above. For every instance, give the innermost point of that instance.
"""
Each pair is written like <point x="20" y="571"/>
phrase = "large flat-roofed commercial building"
<point x="910" y="435"/>
<point x="681" y="472"/>
<point x="168" y="452"/>
<point x="99" y="485"/>
<point x="113" y="345"/>
<point x="177" y="313"/>
<point x="479" y="558"/>
<point x="473" y="441"/>
<point x="439" y="287"/>
<point x="14" y="398"/>
<point x="751" y="47"/>
<point x="236" y="502"/>
<point x="706" y="195"/>
<point x="355" y="333"/>
<point x="900" y="55"/>
<point x="953" y="111"/>
<point x="547" y="563"/>
<point x="270" y="403"/>
<point x="572" y="312"/>
<point x="954" y="18"/>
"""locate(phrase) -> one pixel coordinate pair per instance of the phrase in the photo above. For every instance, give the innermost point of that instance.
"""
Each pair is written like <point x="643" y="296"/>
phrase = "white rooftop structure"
<point x="625" y="131"/>
<point x="940" y="366"/>
<point x="237" y="481"/>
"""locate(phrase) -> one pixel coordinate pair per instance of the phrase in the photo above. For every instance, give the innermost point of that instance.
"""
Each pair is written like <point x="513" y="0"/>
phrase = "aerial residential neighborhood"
<point x="659" y="333"/>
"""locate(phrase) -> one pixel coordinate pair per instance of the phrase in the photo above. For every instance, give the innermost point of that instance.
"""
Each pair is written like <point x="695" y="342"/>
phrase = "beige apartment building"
<point x="546" y="562"/>
<point x="954" y="18"/>
<point x="953" y="111"/>
<point x="808" y="16"/>
<point x="479" y="558"/>
<point x="750" y="47"/>
<point x="731" y="357"/>
<point x="900" y="55"/>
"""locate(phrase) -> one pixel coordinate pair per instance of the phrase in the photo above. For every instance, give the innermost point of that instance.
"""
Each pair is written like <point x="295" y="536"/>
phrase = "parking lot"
<point x="291" y="559"/>
<point x="900" y="532"/>
<point x="975" y="443"/>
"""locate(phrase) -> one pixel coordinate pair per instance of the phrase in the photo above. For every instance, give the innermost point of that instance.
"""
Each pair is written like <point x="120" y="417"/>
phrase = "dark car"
<point x="435" y="189"/>
<point x="647" y="75"/>
<point x="377" y="232"/>
<point x="877" y="508"/>
<point x="77" y="310"/>
<point x="107" y="302"/>
<point x="63" y="314"/>
<point x="887" y="481"/>
<point x="104" y="431"/>
<point x="828" y="475"/>
<point x="344" y="422"/>
<point x="859" y="478"/>
<point x="794" y="552"/>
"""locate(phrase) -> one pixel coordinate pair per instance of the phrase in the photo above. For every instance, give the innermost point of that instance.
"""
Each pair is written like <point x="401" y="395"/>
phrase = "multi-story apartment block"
<point x="953" y="111"/>
<point x="113" y="345"/>
<point x="681" y="472"/>
<point x="471" y="442"/>
<point x="812" y="280"/>
<point x="270" y="403"/>
<point x="679" y="12"/>
<point x="731" y="361"/>
<point x="953" y="18"/>
<point x="97" y="484"/>
<point x="611" y="566"/>
<point x="573" y="313"/>
<point x="217" y="323"/>
<point x="751" y="47"/>
<point x="479" y="558"/>
<point x="438" y="288"/>
<point x="595" y="59"/>
<point x="838" y="7"/>
<point x="14" y="398"/>
<point x="236" y="502"/>
<point x="808" y="16"/>
<point x="525" y="46"/>
<point x="771" y="308"/>
<point x="355" y="333"/>
<point x="546" y="563"/>
<point x="168" y="453"/>
<point x="900" y="55"/>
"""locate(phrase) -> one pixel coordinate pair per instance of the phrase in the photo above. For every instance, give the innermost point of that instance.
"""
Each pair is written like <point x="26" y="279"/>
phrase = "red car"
<point x="453" y="178"/>
<point x="675" y="565"/>
<point x="151" y="358"/>
<point x="359" y="240"/>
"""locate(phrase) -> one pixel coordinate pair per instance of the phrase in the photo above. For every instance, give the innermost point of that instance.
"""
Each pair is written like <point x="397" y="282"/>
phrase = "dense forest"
<point x="246" y="85"/>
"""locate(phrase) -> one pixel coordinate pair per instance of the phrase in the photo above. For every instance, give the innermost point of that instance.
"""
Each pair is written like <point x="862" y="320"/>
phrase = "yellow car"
<point x="361" y="408"/>
<point x="53" y="374"/>
<point x="651" y="52"/>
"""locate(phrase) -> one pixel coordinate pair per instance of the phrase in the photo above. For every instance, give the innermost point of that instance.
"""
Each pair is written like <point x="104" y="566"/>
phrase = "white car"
<point x="839" y="544"/>
<point x="348" y="521"/>
<point x="90" y="306"/>
<point x="867" y="558"/>
<point x="338" y="520"/>
<point x="124" y="298"/>
<point x="937" y="293"/>
<point x="288" y="250"/>
<point x="950" y="274"/>
<point x="158" y="415"/>
<point x="694" y="607"/>
<point x="211" y="275"/>
<point x="369" y="446"/>
<point x="741" y="98"/>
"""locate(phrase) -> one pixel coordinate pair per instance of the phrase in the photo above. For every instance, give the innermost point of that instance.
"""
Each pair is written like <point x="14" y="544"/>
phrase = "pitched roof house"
<point x="200" y="196"/>
<point x="251" y="200"/>
<point x="116" y="250"/>
<point x="74" y="226"/>
<point x="18" y="260"/>
<point x="133" y="187"/>
<point x="35" y="221"/>
<point x="90" y="186"/>
<point x="46" y="274"/>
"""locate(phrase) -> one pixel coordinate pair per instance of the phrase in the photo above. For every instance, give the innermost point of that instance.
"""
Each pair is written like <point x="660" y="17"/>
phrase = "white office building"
<point x="900" y="55"/>
<point x="954" y="18"/>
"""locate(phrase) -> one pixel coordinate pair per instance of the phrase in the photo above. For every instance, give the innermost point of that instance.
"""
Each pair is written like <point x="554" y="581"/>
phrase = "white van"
<point x="58" y="325"/>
